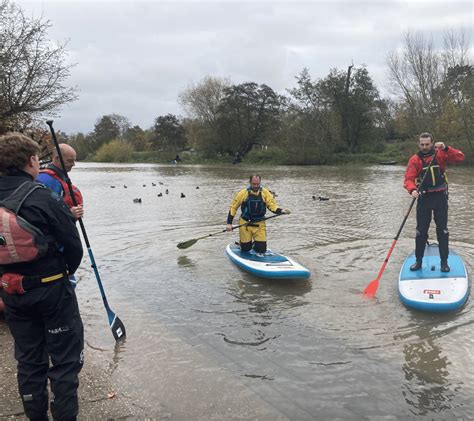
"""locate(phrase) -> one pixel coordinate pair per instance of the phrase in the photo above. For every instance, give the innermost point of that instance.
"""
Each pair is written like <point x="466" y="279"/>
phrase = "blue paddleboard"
<point x="429" y="289"/>
<point x="270" y="265"/>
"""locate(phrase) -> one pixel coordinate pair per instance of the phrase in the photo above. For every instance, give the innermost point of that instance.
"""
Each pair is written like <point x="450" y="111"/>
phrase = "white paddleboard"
<point x="429" y="289"/>
<point x="269" y="265"/>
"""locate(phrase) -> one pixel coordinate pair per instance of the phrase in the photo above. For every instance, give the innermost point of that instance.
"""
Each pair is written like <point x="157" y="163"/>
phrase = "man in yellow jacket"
<point x="253" y="201"/>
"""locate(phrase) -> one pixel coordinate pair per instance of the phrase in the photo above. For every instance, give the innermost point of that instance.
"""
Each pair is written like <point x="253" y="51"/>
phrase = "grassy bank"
<point x="398" y="152"/>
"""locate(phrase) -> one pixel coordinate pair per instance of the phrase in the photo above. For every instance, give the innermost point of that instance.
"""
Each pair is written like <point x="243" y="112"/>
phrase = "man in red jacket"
<point x="432" y="195"/>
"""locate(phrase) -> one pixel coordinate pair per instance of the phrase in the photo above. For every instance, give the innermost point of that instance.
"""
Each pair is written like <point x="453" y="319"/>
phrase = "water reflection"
<point x="309" y="337"/>
<point x="120" y="349"/>
<point x="263" y="304"/>
<point x="428" y="388"/>
<point x="185" y="262"/>
<point x="269" y="295"/>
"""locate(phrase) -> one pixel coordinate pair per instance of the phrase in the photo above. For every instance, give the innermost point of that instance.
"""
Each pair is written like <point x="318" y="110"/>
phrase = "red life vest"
<point x="66" y="193"/>
<point x="20" y="241"/>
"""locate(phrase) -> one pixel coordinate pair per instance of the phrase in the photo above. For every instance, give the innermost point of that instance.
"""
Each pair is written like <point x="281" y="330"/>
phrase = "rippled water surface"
<point x="315" y="348"/>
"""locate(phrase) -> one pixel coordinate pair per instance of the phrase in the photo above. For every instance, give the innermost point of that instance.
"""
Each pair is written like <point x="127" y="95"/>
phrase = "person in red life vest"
<point x="432" y="195"/>
<point x="54" y="178"/>
<point x="41" y="308"/>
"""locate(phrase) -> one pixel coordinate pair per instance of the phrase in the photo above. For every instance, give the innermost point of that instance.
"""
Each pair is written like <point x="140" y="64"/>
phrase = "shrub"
<point x="114" y="151"/>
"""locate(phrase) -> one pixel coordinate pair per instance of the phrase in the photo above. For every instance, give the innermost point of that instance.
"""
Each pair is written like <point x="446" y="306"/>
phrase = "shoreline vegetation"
<point x="396" y="153"/>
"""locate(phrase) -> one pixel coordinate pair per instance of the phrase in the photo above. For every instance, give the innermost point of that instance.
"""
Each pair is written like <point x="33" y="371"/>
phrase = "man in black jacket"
<point x="40" y="304"/>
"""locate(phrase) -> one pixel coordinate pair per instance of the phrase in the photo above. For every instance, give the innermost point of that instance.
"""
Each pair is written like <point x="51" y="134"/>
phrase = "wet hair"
<point x="426" y="135"/>
<point x="255" y="175"/>
<point x="15" y="151"/>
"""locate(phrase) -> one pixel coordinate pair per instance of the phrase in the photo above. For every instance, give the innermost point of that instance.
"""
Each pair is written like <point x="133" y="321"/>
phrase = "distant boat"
<point x="388" y="162"/>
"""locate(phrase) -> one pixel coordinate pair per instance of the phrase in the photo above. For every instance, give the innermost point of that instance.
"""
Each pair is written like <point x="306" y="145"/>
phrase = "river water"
<point x="314" y="349"/>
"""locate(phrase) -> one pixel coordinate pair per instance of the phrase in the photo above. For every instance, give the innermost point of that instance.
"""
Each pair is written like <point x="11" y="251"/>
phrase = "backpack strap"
<point x="15" y="201"/>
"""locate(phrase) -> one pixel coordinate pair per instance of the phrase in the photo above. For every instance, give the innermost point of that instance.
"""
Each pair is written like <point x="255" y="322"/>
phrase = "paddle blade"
<point x="371" y="289"/>
<point x="187" y="244"/>
<point x="118" y="329"/>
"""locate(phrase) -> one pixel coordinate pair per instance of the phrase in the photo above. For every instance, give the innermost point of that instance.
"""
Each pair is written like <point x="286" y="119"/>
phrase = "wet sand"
<point x="199" y="391"/>
<point x="96" y="387"/>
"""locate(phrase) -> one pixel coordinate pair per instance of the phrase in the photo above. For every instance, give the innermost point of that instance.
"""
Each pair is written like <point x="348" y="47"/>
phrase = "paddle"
<point x="371" y="289"/>
<point x="118" y="328"/>
<point x="189" y="243"/>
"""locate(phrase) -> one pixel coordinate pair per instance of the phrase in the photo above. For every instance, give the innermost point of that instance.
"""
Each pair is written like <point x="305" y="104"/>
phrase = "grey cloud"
<point x="134" y="58"/>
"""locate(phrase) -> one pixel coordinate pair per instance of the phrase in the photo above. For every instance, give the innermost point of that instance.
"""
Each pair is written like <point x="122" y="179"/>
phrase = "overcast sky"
<point x="134" y="58"/>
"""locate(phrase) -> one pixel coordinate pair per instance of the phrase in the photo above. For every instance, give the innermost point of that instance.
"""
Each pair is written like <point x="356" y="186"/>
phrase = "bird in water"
<point x="153" y="184"/>
<point x="320" y="198"/>
<point x="137" y="200"/>
<point x="144" y="185"/>
<point x="160" y="183"/>
<point x="112" y="187"/>
<point x="124" y="186"/>
<point x="160" y="194"/>
<point x="197" y="187"/>
<point x="166" y="191"/>
<point x="182" y="195"/>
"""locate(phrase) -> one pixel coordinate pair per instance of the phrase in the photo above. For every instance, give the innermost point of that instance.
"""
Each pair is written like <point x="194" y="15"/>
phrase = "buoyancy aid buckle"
<point x="435" y="180"/>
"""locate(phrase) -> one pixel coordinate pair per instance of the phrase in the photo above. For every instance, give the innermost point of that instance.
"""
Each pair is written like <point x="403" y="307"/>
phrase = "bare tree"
<point x="456" y="49"/>
<point x="434" y="84"/>
<point x="416" y="73"/>
<point x="202" y="100"/>
<point x="32" y="68"/>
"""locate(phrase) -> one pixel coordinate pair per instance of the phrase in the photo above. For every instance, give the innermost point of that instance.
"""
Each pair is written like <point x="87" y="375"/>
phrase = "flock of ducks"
<point x="139" y="200"/>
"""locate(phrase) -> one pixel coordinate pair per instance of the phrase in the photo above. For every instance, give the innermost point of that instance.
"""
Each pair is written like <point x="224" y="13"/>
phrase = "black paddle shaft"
<point x="246" y="224"/>
<point x="189" y="243"/>
<point x="118" y="328"/>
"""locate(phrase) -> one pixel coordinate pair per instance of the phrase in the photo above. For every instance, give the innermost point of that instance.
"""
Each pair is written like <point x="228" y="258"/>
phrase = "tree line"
<point x="318" y="120"/>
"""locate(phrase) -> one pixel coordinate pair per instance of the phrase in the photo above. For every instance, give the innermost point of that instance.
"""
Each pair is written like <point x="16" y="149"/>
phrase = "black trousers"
<point x="428" y="205"/>
<point x="46" y="324"/>
<point x="258" y="246"/>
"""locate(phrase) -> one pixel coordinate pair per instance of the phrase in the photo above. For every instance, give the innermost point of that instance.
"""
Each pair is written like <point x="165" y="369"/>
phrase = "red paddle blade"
<point x="371" y="289"/>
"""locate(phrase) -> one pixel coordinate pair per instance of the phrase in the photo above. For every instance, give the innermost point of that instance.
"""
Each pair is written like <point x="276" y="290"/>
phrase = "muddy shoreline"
<point x="200" y="391"/>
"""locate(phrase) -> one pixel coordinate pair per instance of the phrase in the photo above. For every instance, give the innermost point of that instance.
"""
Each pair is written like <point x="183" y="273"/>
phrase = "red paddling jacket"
<point x="436" y="179"/>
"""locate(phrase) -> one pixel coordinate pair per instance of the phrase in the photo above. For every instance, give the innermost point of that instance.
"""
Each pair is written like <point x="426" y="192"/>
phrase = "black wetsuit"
<point x="45" y="321"/>
<point x="432" y="203"/>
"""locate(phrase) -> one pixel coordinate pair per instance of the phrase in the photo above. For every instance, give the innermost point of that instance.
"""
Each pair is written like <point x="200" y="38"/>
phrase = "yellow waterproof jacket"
<point x="242" y="196"/>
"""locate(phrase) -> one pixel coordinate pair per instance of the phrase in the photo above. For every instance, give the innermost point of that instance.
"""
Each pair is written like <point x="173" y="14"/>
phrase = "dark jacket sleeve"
<point x="62" y="227"/>
<point x="65" y="231"/>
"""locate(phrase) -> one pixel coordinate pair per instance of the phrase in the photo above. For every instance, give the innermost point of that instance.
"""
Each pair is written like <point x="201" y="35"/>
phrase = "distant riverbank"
<point x="392" y="154"/>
